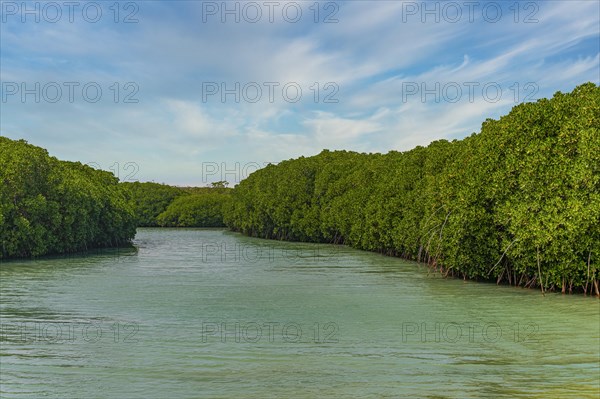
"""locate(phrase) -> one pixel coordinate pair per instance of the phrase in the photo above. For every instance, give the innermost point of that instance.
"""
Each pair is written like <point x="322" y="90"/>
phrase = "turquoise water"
<point x="209" y="313"/>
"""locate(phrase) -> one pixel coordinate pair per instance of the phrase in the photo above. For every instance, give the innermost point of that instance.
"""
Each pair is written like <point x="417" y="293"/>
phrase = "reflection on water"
<point x="209" y="313"/>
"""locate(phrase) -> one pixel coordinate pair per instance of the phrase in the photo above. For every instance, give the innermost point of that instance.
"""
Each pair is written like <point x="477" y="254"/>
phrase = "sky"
<point x="193" y="92"/>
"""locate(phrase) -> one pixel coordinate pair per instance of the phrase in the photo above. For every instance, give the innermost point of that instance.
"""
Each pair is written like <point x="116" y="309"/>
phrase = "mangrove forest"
<point x="517" y="203"/>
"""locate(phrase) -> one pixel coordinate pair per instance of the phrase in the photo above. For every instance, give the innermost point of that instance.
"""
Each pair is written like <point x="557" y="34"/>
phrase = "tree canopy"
<point x="518" y="202"/>
<point x="49" y="206"/>
<point x="196" y="210"/>
<point x="161" y="205"/>
<point x="150" y="200"/>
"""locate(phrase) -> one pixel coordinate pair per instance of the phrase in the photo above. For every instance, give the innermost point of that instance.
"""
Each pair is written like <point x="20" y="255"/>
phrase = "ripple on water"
<point x="209" y="313"/>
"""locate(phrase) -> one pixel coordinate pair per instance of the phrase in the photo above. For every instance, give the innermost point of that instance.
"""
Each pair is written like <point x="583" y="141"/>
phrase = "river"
<point x="195" y="313"/>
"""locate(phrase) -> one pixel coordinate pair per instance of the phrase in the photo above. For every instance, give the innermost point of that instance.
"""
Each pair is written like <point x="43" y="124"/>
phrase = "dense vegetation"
<point x="196" y="210"/>
<point x="167" y="206"/>
<point x="517" y="203"/>
<point x="150" y="200"/>
<point x="50" y="206"/>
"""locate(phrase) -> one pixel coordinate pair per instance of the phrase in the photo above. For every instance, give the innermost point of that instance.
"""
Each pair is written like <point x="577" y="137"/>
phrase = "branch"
<point x="501" y="257"/>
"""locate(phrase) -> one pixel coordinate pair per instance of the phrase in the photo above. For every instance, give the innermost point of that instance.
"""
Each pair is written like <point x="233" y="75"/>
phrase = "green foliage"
<point x="150" y="200"/>
<point x="196" y="210"/>
<point x="168" y="206"/>
<point x="49" y="206"/>
<point x="517" y="203"/>
<point x="219" y="184"/>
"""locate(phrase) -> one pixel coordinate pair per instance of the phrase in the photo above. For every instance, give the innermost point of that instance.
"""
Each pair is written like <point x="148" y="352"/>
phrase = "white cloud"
<point x="334" y="132"/>
<point x="370" y="54"/>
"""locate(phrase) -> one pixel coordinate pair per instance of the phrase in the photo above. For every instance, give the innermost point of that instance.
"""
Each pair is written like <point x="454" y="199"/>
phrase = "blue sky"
<point x="390" y="75"/>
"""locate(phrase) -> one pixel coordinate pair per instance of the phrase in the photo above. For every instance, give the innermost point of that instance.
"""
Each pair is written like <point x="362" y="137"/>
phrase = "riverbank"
<point x="517" y="203"/>
<point x="206" y="313"/>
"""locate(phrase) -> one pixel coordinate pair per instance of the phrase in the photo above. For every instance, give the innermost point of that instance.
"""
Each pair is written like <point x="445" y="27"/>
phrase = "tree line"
<point x="161" y="205"/>
<point x="517" y="203"/>
<point x="49" y="206"/>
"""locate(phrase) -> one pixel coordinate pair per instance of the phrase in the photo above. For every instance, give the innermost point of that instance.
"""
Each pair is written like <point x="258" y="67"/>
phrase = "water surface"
<point x="208" y="313"/>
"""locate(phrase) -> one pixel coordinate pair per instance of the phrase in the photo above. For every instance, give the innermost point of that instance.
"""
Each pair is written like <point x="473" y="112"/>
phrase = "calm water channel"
<point x="200" y="313"/>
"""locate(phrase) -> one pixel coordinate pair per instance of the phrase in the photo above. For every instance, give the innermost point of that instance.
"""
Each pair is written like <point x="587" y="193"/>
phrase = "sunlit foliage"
<point x="518" y="202"/>
<point x="49" y="206"/>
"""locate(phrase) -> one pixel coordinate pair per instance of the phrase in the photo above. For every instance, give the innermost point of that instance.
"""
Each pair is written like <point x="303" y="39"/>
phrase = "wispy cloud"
<point x="369" y="63"/>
